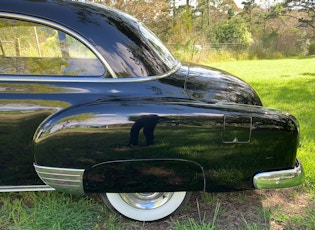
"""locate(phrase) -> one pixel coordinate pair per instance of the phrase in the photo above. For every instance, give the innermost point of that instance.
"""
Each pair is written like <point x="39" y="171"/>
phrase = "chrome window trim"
<point x="26" y="188"/>
<point x="26" y="78"/>
<point x="63" y="29"/>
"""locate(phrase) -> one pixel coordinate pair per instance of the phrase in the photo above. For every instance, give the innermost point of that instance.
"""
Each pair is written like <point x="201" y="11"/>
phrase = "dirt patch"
<point x="284" y="204"/>
<point x="235" y="210"/>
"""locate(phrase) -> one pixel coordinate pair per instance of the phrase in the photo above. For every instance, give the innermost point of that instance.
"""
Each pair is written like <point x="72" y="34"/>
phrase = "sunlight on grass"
<point x="296" y="221"/>
<point x="52" y="210"/>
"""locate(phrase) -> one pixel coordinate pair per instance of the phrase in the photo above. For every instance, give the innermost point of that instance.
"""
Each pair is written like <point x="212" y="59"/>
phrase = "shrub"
<point x="311" y="49"/>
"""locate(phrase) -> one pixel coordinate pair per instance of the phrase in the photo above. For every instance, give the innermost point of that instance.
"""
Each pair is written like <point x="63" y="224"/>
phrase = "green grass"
<point x="201" y="224"/>
<point x="286" y="84"/>
<point x="53" y="210"/>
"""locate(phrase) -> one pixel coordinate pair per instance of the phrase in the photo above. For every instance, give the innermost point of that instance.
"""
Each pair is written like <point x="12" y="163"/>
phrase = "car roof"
<point x="110" y="31"/>
<point x="82" y="17"/>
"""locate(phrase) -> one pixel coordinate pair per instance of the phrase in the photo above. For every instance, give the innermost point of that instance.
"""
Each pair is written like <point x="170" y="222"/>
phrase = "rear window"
<point x="28" y="48"/>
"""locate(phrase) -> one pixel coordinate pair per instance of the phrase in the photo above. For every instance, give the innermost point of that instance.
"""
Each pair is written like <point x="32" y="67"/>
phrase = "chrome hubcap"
<point x="146" y="200"/>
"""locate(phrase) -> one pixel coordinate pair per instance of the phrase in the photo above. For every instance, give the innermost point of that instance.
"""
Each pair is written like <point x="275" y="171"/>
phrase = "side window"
<point x="33" y="49"/>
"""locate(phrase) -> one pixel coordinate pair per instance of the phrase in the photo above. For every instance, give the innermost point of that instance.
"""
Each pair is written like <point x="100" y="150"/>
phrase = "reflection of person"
<point x="148" y="124"/>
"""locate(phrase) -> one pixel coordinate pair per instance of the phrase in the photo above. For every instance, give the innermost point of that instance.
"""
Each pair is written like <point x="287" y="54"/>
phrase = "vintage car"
<point x="92" y="102"/>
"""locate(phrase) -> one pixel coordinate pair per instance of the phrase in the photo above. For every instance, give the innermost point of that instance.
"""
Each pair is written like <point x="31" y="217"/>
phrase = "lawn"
<point x="286" y="84"/>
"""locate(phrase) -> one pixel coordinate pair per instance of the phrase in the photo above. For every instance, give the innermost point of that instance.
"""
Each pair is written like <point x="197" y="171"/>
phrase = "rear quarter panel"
<point x="225" y="145"/>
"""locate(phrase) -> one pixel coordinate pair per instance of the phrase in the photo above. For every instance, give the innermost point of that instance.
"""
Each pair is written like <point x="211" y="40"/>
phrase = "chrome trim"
<point x="280" y="179"/>
<point x="25" y="78"/>
<point x="146" y="201"/>
<point x="26" y="188"/>
<point x="62" y="179"/>
<point x="64" y="29"/>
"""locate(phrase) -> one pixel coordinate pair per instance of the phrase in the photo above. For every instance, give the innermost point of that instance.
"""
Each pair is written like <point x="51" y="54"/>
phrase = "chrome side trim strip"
<point x="26" y="188"/>
<point x="62" y="179"/>
<point x="280" y="179"/>
<point x="84" y="79"/>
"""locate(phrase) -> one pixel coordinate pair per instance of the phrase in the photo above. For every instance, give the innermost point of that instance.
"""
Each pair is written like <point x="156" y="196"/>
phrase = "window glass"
<point x="32" y="49"/>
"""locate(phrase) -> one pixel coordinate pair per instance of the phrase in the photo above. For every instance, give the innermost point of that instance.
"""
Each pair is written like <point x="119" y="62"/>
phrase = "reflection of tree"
<point x="70" y="122"/>
<point x="33" y="88"/>
<point x="211" y="85"/>
<point x="41" y="66"/>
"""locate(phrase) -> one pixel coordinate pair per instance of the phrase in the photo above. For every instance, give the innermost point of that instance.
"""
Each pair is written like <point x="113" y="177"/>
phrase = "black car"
<point x="92" y="102"/>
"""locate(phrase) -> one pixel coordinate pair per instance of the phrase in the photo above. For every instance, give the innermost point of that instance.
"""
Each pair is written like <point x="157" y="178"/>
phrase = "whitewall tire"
<point x="146" y="206"/>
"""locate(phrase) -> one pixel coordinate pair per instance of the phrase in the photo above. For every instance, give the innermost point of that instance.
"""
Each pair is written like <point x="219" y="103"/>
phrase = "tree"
<point x="307" y="6"/>
<point x="181" y="27"/>
<point x="231" y="32"/>
<point x="216" y="10"/>
<point x="153" y="13"/>
<point x="275" y="29"/>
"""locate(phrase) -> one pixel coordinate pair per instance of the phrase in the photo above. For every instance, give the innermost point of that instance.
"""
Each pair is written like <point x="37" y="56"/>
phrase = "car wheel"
<point x="146" y="206"/>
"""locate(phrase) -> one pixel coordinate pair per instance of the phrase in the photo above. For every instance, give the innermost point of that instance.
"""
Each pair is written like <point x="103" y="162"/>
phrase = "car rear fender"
<point x="216" y="86"/>
<point x="166" y="145"/>
<point x="86" y="135"/>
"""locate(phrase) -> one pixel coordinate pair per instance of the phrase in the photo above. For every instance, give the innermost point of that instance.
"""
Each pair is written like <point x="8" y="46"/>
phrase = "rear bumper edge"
<point x="280" y="179"/>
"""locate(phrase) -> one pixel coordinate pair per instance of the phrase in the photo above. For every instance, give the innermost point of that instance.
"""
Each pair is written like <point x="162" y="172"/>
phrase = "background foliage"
<point x="264" y="30"/>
